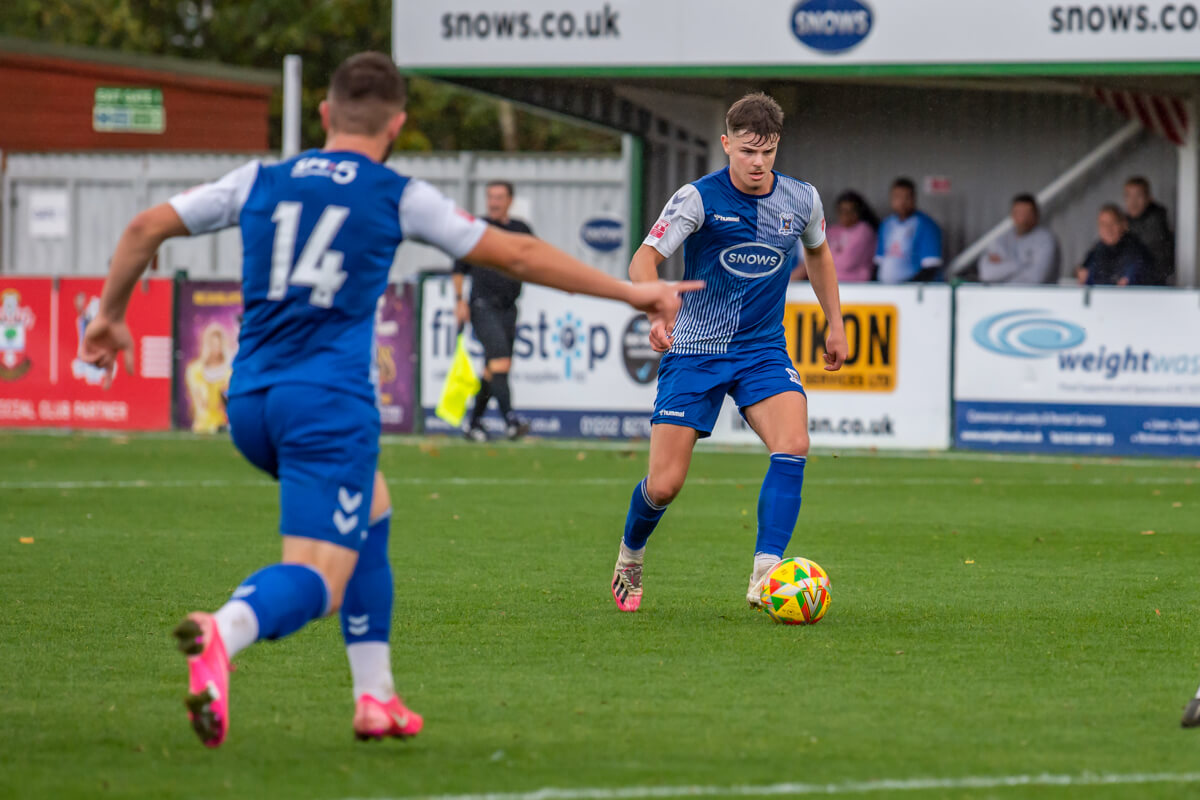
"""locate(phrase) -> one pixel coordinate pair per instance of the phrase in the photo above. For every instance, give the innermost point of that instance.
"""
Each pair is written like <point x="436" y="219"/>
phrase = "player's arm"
<point x="429" y="216"/>
<point x="528" y="259"/>
<point x="823" y="276"/>
<point x="680" y="218"/>
<point x="107" y="336"/>
<point x="644" y="267"/>
<point x="209" y="207"/>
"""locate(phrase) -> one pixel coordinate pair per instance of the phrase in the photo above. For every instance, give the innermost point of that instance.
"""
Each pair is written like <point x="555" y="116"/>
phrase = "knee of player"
<point x="663" y="489"/>
<point x="794" y="445"/>
<point x="381" y="501"/>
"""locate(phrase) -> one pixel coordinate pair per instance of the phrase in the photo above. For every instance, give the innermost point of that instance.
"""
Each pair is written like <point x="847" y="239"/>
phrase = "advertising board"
<point x="893" y="391"/>
<point x="43" y="383"/>
<point x="582" y="367"/>
<point x="1111" y="371"/>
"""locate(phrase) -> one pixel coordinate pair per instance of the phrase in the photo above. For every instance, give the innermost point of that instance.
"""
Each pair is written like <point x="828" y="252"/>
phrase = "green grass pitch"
<point x="990" y="617"/>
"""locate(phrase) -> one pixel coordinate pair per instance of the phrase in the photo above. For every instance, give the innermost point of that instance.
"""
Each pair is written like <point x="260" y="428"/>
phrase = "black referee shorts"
<point x="495" y="328"/>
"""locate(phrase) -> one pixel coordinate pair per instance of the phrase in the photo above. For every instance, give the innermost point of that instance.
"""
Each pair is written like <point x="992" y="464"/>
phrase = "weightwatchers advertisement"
<point x="1108" y="371"/>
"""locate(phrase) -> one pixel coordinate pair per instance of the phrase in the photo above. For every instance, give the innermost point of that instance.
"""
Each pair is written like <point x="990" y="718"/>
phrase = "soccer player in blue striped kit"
<point x="319" y="235"/>
<point x="744" y="226"/>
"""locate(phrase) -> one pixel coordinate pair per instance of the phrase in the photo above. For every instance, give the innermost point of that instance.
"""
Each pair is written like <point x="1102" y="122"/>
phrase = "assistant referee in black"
<point x="493" y="315"/>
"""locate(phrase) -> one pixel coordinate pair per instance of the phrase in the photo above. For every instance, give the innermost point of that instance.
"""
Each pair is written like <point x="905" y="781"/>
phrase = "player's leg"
<point x="774" y="405"/>
<point x="366" y="627"/>
<point x="322" y="446"/>
<point x="690" y="392"/>
<point x="1191" y="714"/>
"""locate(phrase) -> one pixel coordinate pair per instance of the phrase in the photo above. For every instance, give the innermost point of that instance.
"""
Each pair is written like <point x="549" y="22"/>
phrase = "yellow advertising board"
<point x="871" y="338"/>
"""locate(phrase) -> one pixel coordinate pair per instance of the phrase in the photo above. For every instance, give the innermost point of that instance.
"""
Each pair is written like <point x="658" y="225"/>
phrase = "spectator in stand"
<point x="1119" y="258"/>
<point x="1148" y="222"/>
<point x="910" y="242"/>
<point x="851" y="240"/>
<point x="1025" y="254"/>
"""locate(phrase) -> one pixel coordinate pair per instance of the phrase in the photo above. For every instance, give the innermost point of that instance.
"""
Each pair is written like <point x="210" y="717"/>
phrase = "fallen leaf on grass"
<point x="1157" y="612"/>
<point x="969" y="561"/>
<point x="1176" y="504"/>
<point x="1147" y="533"/>
<point x="26" y="540"/>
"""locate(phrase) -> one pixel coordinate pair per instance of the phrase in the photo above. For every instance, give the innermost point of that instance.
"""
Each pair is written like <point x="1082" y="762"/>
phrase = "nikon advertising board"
<point x="1112" y="371"/>
<point x="894" y="389"/>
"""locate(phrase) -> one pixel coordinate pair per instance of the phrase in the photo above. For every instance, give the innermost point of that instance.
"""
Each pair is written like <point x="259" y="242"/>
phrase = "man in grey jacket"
<point x="1025" y="254"/>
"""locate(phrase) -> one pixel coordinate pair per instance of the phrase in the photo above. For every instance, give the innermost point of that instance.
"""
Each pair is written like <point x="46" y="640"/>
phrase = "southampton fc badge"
<point x="785" y="223"/>
<point x="15" y="320"/>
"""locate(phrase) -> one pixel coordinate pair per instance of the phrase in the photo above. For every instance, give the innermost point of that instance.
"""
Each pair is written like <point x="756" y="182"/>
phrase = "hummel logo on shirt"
<point x="723" y="218"/>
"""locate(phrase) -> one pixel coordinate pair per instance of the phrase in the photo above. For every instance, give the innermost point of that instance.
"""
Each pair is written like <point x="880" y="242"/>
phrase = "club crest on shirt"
<point x="786" y="220"/>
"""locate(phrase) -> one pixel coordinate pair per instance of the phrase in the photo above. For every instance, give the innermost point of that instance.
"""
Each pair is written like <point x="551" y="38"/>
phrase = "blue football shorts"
<point x="322" y="447"/>
<point x="692" y="388"/>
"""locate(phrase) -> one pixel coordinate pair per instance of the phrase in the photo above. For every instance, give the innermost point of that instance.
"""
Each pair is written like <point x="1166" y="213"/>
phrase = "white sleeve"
<point x="214" y="206"/>
<point x="814" y="234"/>
<point x="680" y="218"/>
<point x="427" y="215"/>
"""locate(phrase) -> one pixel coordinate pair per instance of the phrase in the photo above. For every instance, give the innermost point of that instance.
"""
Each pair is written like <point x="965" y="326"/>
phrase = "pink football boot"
<point x="627" y="586"/>
<point x="376" y="720"/>
<point x="208" y="677"/>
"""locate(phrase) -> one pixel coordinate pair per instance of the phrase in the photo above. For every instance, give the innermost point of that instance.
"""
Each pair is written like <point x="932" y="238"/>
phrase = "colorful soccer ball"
<point x="796" y="592"/>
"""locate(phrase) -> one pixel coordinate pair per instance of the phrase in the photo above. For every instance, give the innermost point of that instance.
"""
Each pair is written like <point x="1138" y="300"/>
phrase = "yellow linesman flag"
<point x="461" y="385"/>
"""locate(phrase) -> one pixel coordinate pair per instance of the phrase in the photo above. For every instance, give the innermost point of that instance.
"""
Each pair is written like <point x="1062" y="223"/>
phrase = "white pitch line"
<point x="486" y="481"/>
<point x="847" y="787"/>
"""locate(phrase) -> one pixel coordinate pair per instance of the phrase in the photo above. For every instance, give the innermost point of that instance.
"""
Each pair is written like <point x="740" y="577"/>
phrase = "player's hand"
<point x="836" y="350"/>
<point x="660" y="300"/>
<point x="104" y="342"/>
<point x="462" y="312"/>
<point x="661" y="337"/>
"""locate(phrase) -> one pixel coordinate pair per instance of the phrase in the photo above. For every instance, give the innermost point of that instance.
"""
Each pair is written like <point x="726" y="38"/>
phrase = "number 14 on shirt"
<point x="318" y="267"/>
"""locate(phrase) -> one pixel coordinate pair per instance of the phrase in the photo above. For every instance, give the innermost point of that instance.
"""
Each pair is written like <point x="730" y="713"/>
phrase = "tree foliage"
<point x="259" y="33"/>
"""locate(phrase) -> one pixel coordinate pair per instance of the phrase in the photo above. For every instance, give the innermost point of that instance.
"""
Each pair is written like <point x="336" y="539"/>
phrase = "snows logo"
<point x="1026" y="334"/>
<point x="831" y="26"/>
<point x="752" y="260"/>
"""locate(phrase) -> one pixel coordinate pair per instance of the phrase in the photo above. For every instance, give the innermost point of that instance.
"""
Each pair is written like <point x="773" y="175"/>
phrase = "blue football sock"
<point x="367" y="607"/>
<point x="779" y="503"/>
<point x="285" y="598"/>
<point x="642" y="518"/>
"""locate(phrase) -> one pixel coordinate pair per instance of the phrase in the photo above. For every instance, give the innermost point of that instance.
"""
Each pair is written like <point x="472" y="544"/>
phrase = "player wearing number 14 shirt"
<point x="319" y="235"/>
<point x="741" y="228"/>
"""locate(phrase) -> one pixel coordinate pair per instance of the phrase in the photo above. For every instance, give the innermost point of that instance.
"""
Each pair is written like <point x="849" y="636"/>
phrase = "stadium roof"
<point x="153" y="63"/>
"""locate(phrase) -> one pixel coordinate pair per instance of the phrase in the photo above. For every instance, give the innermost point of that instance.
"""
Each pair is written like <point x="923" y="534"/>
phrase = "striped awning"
<point x="1166" y="116"/>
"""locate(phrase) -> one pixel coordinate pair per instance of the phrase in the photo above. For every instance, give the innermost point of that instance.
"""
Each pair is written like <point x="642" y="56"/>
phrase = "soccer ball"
<point x="796" y="592"/>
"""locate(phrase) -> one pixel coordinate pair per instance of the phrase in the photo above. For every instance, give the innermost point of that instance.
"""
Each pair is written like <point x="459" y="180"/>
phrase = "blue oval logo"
<point x="603" y="233"/>
<point x="1025" y="334"/>
<point x="752" y="259"/>
<point x="831" y="26"/>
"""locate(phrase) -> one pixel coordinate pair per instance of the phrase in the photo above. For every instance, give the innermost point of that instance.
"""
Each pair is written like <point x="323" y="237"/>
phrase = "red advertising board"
<point x="44" y="384"/>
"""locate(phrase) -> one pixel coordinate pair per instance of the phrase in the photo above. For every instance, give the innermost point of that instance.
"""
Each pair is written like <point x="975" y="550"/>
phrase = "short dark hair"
<point x="905" y="183"/>
<point x="756" y="113"/>
<point x="1026" y="197"/>
<point x="1141" y="182"/>
<point x="1114" y="209"/>
<point x="364" y="92"/>
<point x="507" y="185"/>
